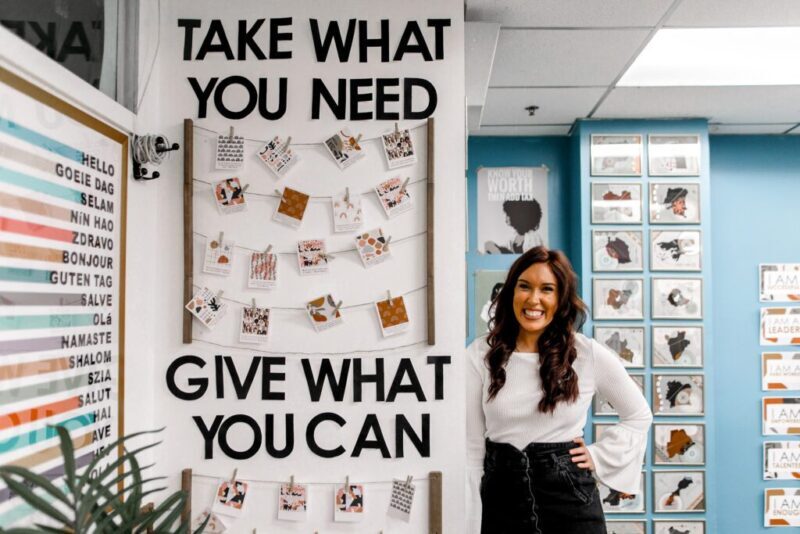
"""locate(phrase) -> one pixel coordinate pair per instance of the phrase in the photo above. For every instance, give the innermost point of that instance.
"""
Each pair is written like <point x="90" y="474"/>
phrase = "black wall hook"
<point x="161" y="147"/>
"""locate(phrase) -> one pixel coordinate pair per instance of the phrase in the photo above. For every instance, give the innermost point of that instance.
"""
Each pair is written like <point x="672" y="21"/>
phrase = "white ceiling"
<point x="566" y="57"/>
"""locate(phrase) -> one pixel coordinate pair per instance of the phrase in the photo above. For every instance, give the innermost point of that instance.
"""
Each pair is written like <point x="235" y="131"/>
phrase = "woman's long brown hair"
<point x="557" y="342"/>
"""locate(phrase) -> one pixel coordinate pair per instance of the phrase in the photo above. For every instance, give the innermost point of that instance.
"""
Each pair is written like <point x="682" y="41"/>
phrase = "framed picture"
<point x="601" y="405"/>
<point x="627" y="342"/>
<point x="614" y="203"/>
<point x="618" y="502"/>
<point x="677" y="298"/>
<point x="616" y="155"/>
<point x="617" y="298"/>
<point x="676" y="250"/>
<point x="598" y="429"/>
<point x="487" y="287"/>
<point x="674" y="203"/>
<point x="781" y="460"/>
<point x="673" y="155"/>
<point x="780" y="326"/>
<point x="782" y="507"/>
<point x="780" y="416"/>
<point x="617" y="250"/>
<point x="679" y="491"/>
<point x="679" y="443"/>
<point x="677" y="346"/>
<point x="683" y="526"/>
<point x="780" y="370"/>
<point x="678" y="394"/>
<point x="616" y="526"/>
<point x="779" y="282"/>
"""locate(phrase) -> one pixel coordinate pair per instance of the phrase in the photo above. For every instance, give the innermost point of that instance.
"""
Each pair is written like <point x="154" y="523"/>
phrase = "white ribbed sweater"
<point x="512" y="416"/>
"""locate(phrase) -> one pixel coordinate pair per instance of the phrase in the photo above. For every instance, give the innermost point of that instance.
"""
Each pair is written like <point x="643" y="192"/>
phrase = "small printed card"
<point x="349" y="504"/>
<point x="230" y="152"/>
<point x="782" y="507"/>
<point x="392" y="315"/>
<point x="214" y="525"/>
<point x="263" y="272"/>
<point x="347" y="214"/>
<point x="291" y="208"/>
<point x="781" y="460"/>
<point x="207" y="307"/>
<point x="401" y="500"/>
<point x="276" y="158"/>
<point x="780" y="370"/>
<point x="311" y="256"/>
<point x="218" y="257"/>
<point x="780" y="282"/>
<point x="399" y="149"/>
<point x="293" y="502"/>
<point x="780" y="416"/>
<point x="229" y="196"/>
<point x="324" y="313"/>
<point x="780" y="326"/>
<point x="255" y="325"/>
<point x="344" y="148"/>
<point x="372" y="247"/>
<point x="229" y="499"/>
<point x="394" y="199"/>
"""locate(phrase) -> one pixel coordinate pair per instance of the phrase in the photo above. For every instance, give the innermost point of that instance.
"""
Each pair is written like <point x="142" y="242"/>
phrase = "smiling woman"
<point x="529" y="386"/>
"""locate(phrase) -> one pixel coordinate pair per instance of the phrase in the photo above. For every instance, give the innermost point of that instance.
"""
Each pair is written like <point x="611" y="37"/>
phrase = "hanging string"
<point x="321" y="143"/>
<point x="332" y="253"/>
<point x="350" y="307"/>
<point x="312" y="197"/>
<point x="309" y="483"/>
<point x="318" y="354"/>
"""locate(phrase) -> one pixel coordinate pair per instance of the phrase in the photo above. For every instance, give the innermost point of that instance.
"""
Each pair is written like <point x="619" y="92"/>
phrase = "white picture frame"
<point x="618" y="299"/>
<point x="679" y="394"/>
<point x="616" y="154"/>
<point x="676" y="250"/>
<point x="677" y="298"/>
<point x="617" y="250"/>
<point x="672" y="494"/>
<point x="677" y="346"/>
<point x="615" y="502"/>
<point x="674" y="203"/>
<point x="616" y="203"/>
<point x="673" y="154"/>
<point x="627" y="342"/>
<point x="626" y="526"/>
<point x="679" y="444"/>
<point x="687" y="526"/>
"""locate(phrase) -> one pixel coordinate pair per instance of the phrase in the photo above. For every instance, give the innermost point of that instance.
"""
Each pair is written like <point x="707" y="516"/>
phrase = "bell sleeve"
<point x="619" y="454"/>
<point x="476" y="432"/>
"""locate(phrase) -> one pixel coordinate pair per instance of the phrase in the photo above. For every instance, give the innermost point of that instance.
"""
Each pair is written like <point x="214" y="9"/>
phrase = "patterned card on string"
<point x="399" y="149"/>
<point x="344" y="148"/>
<point x="218" y="257"/>
<point x="215" y="524"/>
<point x="293" y="502"/>
<point x="230" y="496"/>
<point x="207" y="307"/>
<point x="229" y="196"/>
<point x="349" y="504"/>
<point x="324" y="313"/>
<point x="312" y="257"/>
<point x="347" y="214"/>
<point x="255" y="325"/>
<point x="393" y="196"/>
<point x="401" y="500"/>
<point x="230" y="152"/>
<point x="277" y="157"/>
<point x="372" y="247"/>
<point x="291" y="208"/>
<point x="263" y="270"/>
<point x="392" y="315"/>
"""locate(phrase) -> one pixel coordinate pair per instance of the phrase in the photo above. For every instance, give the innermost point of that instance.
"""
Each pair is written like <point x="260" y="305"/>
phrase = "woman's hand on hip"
<point x="581" y="456"/>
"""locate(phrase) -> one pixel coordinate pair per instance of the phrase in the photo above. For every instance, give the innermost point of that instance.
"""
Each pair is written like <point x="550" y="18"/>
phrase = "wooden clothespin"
<point x="329" y="256"/>
<point x="386" y="243"/>
<point x="336" y="309"/>
<point x="396" y="128"/>
<point x="405" y="185"/>
<point x="291" y="483"/>
<point x="230" y="133"/>
<point x="287" y="143"/>
<point x="347" y="482"/>
<point x="244" y="189"/>
<point x="235" y="471"/>
<point x="269" y="249"/>
<point x="253" y="304"/>
<point x="279" y="193"/>
<point x="409" y="478"/>
<point x="347" y="194"/>
<point x="219" y="296"/>
<point x="358" y="138"/>
<point x="219" y="239"/>
<point x="389" y="295"/>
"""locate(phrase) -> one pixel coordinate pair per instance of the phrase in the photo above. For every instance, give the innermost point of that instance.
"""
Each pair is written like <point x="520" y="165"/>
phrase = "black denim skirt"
<point x="538" y="490"/>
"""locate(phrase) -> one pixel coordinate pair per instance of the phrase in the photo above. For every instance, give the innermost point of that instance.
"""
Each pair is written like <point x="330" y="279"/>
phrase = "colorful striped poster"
<point x="62" y="214"/>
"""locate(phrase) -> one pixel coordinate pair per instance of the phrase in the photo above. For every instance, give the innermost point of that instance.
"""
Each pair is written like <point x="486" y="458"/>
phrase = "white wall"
<point x="173" y="100"/>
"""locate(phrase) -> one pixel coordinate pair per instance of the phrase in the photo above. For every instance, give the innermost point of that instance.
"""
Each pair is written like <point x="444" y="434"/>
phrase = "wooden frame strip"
<point x="431" y="303"/>
<point x="435" y="502"/>
<point x="188" y="225"/>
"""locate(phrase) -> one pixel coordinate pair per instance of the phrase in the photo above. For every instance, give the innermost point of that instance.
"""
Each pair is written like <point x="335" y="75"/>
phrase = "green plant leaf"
<point x="35" y="480"/>
<point x="20" y="530"/>
<point x="108" y="450"/>
<point x="169" y="502"/>
<point x="68" y="452"/>
<point x="34" y="500"/>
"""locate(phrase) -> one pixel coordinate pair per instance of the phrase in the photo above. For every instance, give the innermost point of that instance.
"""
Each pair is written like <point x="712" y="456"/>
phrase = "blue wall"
<point x="518" y="152"/>
<point x="755" y="182"/>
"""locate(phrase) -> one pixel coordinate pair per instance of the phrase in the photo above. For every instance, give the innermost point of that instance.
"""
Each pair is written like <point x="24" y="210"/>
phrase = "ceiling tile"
<point x="749" y="104"/>
<point x="506" y="131"/>
<point x="729" y="13"/>
<point x="556" y="106"/>
<point x="751" y="129"/>
<point x="563" y="57"/>
<point x="568" y="13"/>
